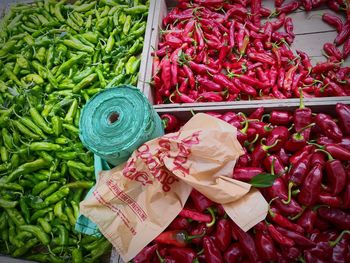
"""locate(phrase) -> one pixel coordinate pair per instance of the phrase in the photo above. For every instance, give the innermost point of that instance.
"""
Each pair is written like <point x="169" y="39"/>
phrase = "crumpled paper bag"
<point x="134" y="202"/>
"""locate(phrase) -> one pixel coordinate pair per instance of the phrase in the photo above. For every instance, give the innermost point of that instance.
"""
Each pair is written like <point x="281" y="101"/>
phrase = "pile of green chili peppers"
<point x="53" y="57"/>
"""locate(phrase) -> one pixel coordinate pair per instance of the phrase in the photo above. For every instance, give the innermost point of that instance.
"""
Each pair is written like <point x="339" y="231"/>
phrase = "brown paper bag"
<point x="133" y="203"/>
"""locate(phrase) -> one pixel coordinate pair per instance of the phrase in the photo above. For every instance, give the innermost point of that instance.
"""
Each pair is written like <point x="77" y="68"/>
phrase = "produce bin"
<point x="309" y="29"/>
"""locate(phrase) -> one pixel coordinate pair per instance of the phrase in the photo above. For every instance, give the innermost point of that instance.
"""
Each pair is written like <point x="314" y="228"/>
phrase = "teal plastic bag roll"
<point x="116" y="121"/>
<point x="113" y="124"/>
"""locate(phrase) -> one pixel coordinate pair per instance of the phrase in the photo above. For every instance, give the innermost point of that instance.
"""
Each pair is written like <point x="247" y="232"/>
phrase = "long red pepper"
<point x="200" y="202"/>
<point x="333" y="20"/>
<point x="146" y="254"/>
<point x="311" y="187"/>
<point x="245" y="174"/>
<point x="179" y="223"/>
<point x="307" y="220"/>
<point x="298" y="238"/>
<point x="343" y="34"/>
<point x="211" y="252"/>
<point x="223" y="234"/>
<point x="338" y="152"/>
<point x="197" y="216"/>
<point x="178" y="238"/>
<point x="330" y="200"/>
<point x="265" y="246"/>
<point x="336" y="174"/>
<point x="343" y="114"/>
<point x="335" y="216"/>
<point x="332" y="50"/>
<point x="182" y="254"/>
<point x="279" y="237"/>
<point x="234" y="253"/>
<point x="302" y="118"/>
<point x="284" y="222"/>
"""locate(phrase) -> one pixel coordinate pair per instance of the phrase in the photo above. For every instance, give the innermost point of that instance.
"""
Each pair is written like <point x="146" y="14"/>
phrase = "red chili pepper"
<point x="266" y="249"/>
<point x="281" y="117"/>
<point x="257" y="114"/>
<point x="223" y="234"/>
<point x="333" y="20"/>
<point x="346" y="49"/>
<point x="336" y="175"/>
<point x="346" y="195"/>
<point x="302" y="118"/>
<point x="335" y="216"/>
<point x="335" y="89"/>
<point x="201" y="69"/>
<point x="190" y="76"/>
<point x="278" y="3"/>
<point x="179" y="223"/>
<point x="307" y="220"/>
<point x="166" y="73"/>
<point x="279" y="134"/>
<point x="211" y="252"/>
<point x="332" y="50"/>
<point x="318" y="158"/>
<point x="210" y="97"/>
<point x="200" y="202"/>
<point x="299" y="171"/>
<point x="288" y="8"/>
<point x="279" y="238"/>
<point x="236" y="10"/>
<point x="298" y="238"/>
<point x="329" y="127"/>
<point x="208" y="84"/>
<point x="244" y="88"/>
<point x="178" y="238"/>
<point x="311" y="187"/>
<point x="279" y="22"/>
<point x="199" y="36"/>
<point x="182" y="254"/>
<point x="172" y="41"/>
<point x="264" y="58"/>
<point x="274" y="163"/>
<point x="265" y="12"/>
<point x="330" y="200"/>
<point x="197" y="216"/>
<point x="234" y="253"/>
<point x="343" y="34"/>
<point x="283" y="156"/>
<point x="260" y="152"/>
<point x="245" y="174"/>
<point x="343" y="114"/>
<point x="170" y="122"/>
<point x="146" y="254"/>
<point x="305" y="60"/>
<point x="284" y="222"/>
<point x="307" y="5"/>
<point x="340" y="252"/>
<point x="288" y="79"/>
<point x="288" y="26"/>
<point x="222" y="80"/>
<point x="338" y="152"/>
<point x="246" y="242"/>
<point x="302" y="154"/>
<point x="297" y="141"/>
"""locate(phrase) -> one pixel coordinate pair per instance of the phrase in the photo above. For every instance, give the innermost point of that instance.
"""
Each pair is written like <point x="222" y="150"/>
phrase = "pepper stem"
<point x="335" y="242"/>
<point x="165" y="123"/>
<point x="211" y="211"/>
<point x="161" y="260"/>
<point x="330" y="157"/>
<point x="265" y="116"/>
<point x="306" y="127"/>
<point x="189" y="238"/>
<point x="298" y="215"/>
<point x="268" y="147"/>
<point x="290" y="186"/>
<point x="272" y="214"/>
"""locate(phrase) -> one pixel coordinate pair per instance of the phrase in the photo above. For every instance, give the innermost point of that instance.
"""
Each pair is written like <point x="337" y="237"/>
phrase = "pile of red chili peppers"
<point x="216" y="50"/>
<point x="309" y="213"/>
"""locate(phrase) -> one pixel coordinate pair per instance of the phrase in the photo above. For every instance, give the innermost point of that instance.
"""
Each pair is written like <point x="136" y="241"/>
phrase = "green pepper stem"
<point x="161" y="260"/>
<point x="211" y="211"/>
<point x="330" y="157"/>
<point x="268" y="147"/>
<point x="189" y="238"/>
<point x="335" y="242"/>
<point x="290" y="186"/>
<point x="272" y="214"/>
<point x="302" y="105"/>
<point x="306" y="127"/>
<point x="298" y="215"/>
<point x="315" y="144"/>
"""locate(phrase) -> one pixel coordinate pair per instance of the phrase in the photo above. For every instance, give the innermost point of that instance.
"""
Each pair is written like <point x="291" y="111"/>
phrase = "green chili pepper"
<point x="12" y="76"/>
<point x="71" y="128"/>
<point x="84" y="7"/>
<point x="31" y="125"/>
<point x="135" y="47"/>
<point x="33" y="78"/>
<point x="80" y="184"/>
<point x="44" y="146"/>
<point x="38" y="232"/>
<point x="39" y="121"/>
<point x="62" y="140"/>
<point x="39" y="187"/>
<point x="110" y="41"/>
<point x="7" y="47"/>
<point x="15" y="216"/>
<point x="88" y="22"/>
<point x="76" y="44"/>
<point x="77" y="256"/>
<point x="57" y="196"/>
<point x="115" y="81"/>
<point x="41" y="54"/>
<point x="80" y="166"/>
<point x="129" y="65"/>
<point x="7" y="204"/>
<point x="11" y="186"/>
<point x="102" y="23"/>
<point x="69" y="63"/>
<point x="47" y="157"/>
<point x="4" y="154"/>
<point x="12" y="234"/>
<point x="127" y="25"/>
<point x="91" y="37"/>
<point x="27" y="168"/>
<point x="76" y="174"/>
<point x="71" y="23"/>
<point x="58" y="211"/>
<point x="25" y="210"/>
<point x="71" y="112"/>
<point x="45" y="225"/>
<point x="15" y="160"/>
<point x="24" y="249"/>
<point x="39" y="258"/>
<point x="48" y="191"/>
<point x="67" y="155"/>
<point x="85" y="82"/>
<point x="40" y="213"/>
<point x="70" y="215"/>
<point x="63" y="235"/>
<point x="22" y="62"/>
<point x="136" y="10"/>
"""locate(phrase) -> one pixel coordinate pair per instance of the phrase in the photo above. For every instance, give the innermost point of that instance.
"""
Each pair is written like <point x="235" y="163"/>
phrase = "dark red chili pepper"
<point x="280" y="134"/>
<point x="232" y="34"/>
<point x="328" y="126"/>
<point x="200" y="202"/>
<point x="298" y="238"/>
<point x="279" y="22"/>
<point x="343" y="34"/>
<point x="340" y="252"/>
<point x="273" y="163"/>
<point x="335" y="216"/>
<point x="324" y="67"/>
<point x="346" y="195"/>
<point x="343" y="114"/>
<point x="257" y="114"/>
<point x="234" y="253"/>
<point x="335" y="89"/>
<point x="318" y="158"/>
<point x="211" y="252"/>
<point x="284" y="222"/>
<point x="260" y="152"/>
<point x="210" y="97"/>
<point x="311" y="187"/>
<point x="178" y="238"/>
<point x="305" y="60"/>
<point x="279" y="238"/>
<point x="197" y="216"/>
<point x="245" y="174"/>
<point x="283" y="156"/>
<point x="302" y="118"/>
<point x="283" y="118"/>
<point x="301" y="154"/>
<point x="332" y="50"/>
<point x="265" y="12"/>
<point x="330" y="200"/>
<point x="336" y="175"/>
<point x="307" y="220"/>
<point x="179" y="223"/>
<point x="247" y="243"/>
<point x="346" y="48"/>
<point x="333" y="20"/>
<point x="266" y="248"/>
<point x="288" y="78"/>
<point x="146" y="254"/>
<point x="288" y="26"/>
<point x="201" y="69"/>
<point x="338" y="152"/>
<point x="170" y="122"/>
<point x="222" y="80"/>
<point x="223" y="234"/>
<point x="236" y="10"/>
<point x="182" y="254"/>
<point x="288" y="8"/>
